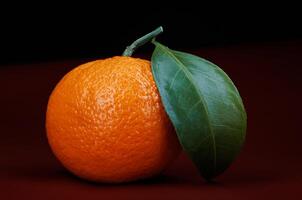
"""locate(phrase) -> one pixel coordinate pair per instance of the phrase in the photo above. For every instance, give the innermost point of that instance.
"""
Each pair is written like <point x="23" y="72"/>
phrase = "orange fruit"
<point x="105" y="122"/>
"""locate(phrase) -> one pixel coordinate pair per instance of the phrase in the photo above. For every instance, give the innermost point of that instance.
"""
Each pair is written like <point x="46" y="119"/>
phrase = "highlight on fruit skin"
<point x="105" y="122"/>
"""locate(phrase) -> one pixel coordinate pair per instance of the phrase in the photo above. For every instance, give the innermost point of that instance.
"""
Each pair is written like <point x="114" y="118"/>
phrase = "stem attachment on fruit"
<point x="141" y="41"/>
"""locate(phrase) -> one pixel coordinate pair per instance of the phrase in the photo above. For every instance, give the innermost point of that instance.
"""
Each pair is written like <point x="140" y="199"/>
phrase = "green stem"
<point x="141" y="41"/>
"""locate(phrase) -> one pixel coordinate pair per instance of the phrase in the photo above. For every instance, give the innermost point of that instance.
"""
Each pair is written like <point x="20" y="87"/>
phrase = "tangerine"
<point x="105" y="122"/>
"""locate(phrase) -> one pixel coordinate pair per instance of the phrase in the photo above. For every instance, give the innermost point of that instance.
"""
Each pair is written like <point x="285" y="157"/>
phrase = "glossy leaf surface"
<point x="204" y="107"/>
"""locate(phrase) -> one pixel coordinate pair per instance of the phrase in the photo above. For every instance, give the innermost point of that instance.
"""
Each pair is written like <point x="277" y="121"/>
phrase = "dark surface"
<point x="268" y="77"/>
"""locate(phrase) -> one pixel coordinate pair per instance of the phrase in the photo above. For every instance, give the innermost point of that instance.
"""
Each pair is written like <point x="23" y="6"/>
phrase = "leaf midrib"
<point x="187" y="74"/>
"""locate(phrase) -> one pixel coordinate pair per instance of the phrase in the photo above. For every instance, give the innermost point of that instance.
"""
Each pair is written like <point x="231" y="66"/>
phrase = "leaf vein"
<point x="187" y="74"/>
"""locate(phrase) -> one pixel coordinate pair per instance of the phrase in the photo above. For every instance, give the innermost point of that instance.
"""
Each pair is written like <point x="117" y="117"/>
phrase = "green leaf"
<point x="204" y="107"/>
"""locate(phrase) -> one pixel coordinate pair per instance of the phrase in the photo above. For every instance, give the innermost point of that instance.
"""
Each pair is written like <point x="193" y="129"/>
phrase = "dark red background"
<point x="268" y="76"/>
